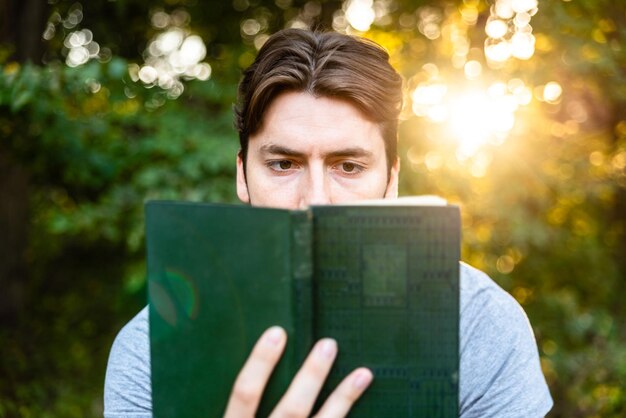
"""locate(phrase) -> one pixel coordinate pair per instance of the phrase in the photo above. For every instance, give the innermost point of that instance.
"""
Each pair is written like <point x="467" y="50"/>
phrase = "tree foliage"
<point x="82" y="146"/>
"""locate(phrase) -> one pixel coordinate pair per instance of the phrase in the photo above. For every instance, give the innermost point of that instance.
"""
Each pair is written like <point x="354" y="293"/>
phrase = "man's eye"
<point x="351" y="168"/>
<point x="281" y="165"/>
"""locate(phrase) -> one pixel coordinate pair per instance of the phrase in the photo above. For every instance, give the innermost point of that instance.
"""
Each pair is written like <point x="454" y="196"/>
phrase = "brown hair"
<point x="326" y="64"/>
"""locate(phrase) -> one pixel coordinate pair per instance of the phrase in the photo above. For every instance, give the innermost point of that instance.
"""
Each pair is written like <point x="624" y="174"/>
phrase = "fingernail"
<point x="274" y="335"/>
<point x="327" y="348"/>
<point x="362" y="379"/>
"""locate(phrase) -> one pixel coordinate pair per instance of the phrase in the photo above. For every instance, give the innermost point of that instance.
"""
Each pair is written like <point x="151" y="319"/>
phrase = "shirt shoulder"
<point x="500" y="373"/>
<point x="127" y="387"/>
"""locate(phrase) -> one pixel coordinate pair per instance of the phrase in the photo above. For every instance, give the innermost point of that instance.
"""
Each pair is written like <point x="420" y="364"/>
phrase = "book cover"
<point x="382" y="280"/>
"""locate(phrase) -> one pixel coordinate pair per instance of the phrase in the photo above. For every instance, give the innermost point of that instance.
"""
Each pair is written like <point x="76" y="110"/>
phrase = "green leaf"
<point x="22" y="98"/>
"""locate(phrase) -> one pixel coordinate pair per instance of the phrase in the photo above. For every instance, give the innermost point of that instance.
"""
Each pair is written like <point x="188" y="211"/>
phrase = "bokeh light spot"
<point x="521" y="294"/>
<point x="160" y="19"/>
<point x="172" y="55"/>
<point x="81" y="47"/>
<point x="520" y="6"/>
<point x="619" y="161"/>
<point x="473" y="69"/>
<point x="596" y="158"/>
<point x="433" y="160"/>
<point x="549" y="347"/>
<point x="505" y="264"/>
<point x="250" y="27"/>
<point x="260" y="40"/>
<point x="552" y="92"/>
<point x="148" y="74"/>
<point x="496" y="28"/>
<point x="522" y="45"/>
<point x="497" y="50"/>
<point x="360" y="14"/>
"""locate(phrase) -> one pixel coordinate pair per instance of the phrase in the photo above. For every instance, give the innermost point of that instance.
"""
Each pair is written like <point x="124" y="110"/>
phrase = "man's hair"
<point x="323" y="64"/>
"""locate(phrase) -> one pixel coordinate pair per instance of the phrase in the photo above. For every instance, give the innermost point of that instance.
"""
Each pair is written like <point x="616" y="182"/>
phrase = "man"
<point x="317" y="121"/>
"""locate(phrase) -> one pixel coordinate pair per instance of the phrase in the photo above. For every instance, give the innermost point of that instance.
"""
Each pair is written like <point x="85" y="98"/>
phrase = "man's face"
<point x="314" y="151"/>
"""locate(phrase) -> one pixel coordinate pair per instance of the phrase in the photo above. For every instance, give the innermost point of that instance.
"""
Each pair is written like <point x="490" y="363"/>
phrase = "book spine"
<point x="302" y="275"/>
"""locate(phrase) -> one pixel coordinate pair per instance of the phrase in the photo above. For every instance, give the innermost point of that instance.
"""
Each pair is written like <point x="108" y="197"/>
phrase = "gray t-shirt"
<point x="500" y="374"/>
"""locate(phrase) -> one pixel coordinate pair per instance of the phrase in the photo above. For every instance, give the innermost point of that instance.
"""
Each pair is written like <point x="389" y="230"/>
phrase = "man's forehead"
<point x="302" y="107"/>
<point x="298" y="120"/>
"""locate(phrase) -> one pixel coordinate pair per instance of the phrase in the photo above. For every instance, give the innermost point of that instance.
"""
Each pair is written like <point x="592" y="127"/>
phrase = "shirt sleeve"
<point x="500" y="373"/>
<point x="127" y="387"/>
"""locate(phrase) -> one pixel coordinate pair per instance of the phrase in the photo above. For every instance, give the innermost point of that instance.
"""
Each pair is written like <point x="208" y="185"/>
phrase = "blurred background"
<point x="515" y="109"/>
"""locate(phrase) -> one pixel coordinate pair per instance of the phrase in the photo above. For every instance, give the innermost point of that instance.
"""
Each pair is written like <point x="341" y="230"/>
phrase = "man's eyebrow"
<point x="280" y="150"/>
<point x="288" y="152"/>
<point x="350" y="152"/>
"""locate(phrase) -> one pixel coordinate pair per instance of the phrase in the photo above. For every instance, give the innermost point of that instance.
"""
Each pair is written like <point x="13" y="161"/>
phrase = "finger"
<point x="253" y="377"/>
<point x="343" y="397"/>
<point x="301" y="394"/>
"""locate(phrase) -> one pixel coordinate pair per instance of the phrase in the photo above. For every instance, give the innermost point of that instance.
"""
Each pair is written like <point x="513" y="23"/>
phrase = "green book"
<point x="383" y="280"/>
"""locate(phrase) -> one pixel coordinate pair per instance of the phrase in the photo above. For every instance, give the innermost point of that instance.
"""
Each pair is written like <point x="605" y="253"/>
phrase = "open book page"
<point x="422" y="200"/>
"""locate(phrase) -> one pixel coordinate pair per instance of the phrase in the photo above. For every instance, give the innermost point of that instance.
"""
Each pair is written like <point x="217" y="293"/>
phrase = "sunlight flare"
<point x="474" y="117"/>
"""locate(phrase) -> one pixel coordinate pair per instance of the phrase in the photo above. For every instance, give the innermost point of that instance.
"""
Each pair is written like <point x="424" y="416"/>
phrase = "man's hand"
<point x="301" y="394"/>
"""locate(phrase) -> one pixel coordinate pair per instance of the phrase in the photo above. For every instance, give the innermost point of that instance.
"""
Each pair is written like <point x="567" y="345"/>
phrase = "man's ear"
<point x="242" y="185"/>
<point x="392" y="185"/>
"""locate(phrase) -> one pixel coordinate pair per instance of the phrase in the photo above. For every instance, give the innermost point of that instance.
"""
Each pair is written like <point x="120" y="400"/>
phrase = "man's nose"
<point x="316" y="190"/>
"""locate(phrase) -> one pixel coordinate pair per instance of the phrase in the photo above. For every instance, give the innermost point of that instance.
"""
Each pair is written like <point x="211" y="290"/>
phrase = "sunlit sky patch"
<point x="173" y="55"/>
